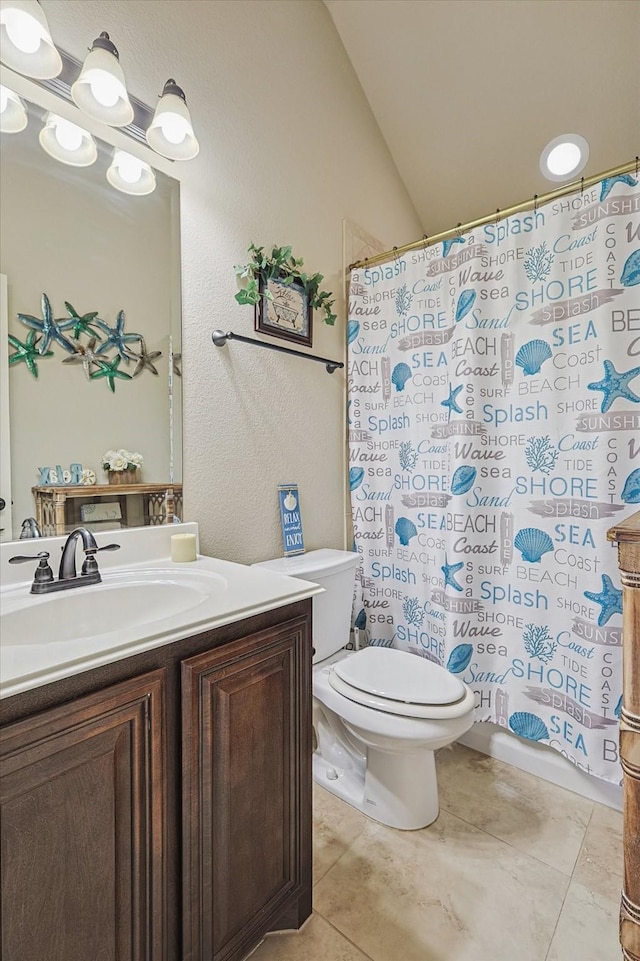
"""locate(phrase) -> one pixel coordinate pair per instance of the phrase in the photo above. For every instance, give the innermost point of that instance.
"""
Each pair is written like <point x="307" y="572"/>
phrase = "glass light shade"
<point x="130" y="174"/>
<point x="100" y="89"/>
<point x="67" y="142"/>
<point x="25" y="42"/>
<point x="171" y="132"/>
<point x="564" y="157"/>
<point x="13" y="113"/>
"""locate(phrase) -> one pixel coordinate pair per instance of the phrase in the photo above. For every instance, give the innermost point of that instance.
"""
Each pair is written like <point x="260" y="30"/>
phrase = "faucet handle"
<point x="90" y="565"/>
<point x="43" y="574"/>
<point x="23" y="558"/>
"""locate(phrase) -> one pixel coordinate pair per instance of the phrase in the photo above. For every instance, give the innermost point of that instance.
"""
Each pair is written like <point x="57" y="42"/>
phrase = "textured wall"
<point x="289" y="148"/>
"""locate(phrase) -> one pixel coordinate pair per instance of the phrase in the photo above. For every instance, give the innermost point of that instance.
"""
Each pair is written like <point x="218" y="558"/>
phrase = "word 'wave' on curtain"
<point x="494" y="437"/>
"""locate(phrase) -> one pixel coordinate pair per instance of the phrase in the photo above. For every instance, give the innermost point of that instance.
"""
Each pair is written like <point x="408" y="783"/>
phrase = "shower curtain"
<point x="494" y="437"/>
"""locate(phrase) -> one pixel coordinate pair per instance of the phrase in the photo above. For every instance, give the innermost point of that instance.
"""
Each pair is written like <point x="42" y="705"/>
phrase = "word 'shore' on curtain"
<point x="494" y="431"/>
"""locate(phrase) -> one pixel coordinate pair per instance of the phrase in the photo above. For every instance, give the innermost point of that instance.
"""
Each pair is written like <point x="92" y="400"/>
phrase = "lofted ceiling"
<point x="468" y="92"/>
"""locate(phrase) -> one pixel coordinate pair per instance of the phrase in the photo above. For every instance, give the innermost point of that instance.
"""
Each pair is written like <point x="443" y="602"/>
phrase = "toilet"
<point x="378" y="713"/>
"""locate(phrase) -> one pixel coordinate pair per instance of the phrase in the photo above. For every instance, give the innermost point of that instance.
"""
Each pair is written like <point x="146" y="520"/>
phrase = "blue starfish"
<point x="449" y="571"/>
<point x="608" y="183"/>
<point x="49" y="328"/>
<point x="448" y="244"/>
<point x="451" y="401"/>
<point x="110" y="371"/>
<point x="610" y="599"/>
<point x="615" y="385"/>
<point x="117" y="338"/>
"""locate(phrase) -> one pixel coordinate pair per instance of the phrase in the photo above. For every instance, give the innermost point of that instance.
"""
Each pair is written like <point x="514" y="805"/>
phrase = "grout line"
<point x="555" y="927"/>
<point x="527" y="854"/>
<point x="343" y="935"/>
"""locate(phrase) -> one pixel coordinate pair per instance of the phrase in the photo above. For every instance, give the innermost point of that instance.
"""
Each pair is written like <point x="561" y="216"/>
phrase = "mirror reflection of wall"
<point x="67" y="233"/>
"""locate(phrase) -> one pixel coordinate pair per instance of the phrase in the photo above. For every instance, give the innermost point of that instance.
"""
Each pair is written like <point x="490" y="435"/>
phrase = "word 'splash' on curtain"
<point x="494" y="437"/>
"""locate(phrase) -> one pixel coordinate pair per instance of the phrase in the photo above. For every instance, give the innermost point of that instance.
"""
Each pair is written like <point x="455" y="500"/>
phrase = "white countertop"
<point x="223" y="592"/>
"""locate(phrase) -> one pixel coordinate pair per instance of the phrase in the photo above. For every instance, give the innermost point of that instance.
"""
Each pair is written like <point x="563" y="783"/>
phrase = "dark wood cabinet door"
<point x="82" y="828"/>
<point x="246" y="781"/>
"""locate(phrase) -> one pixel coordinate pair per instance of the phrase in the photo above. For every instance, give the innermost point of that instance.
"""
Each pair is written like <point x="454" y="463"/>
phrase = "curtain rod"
<point x="535" y="202"/>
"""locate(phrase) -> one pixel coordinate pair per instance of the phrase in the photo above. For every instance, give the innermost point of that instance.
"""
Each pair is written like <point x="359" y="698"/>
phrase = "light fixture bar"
<point x="61" y="85"/>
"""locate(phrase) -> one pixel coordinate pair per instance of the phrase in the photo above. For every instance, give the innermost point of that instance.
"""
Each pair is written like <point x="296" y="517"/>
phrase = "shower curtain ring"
<point x="395" y="253"/>
<point x="535" y="202"/>
<point x="637" y="164"/>
<point x="581" y="185"/>
<point x="458" y="226"/>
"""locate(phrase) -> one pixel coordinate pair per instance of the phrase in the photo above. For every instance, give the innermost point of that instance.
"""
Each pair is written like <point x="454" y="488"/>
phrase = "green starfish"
<point x="49" y="328"/>
<point x="110" y="371"/>
<point x="27" y="352"/>
<point x="146" y="359"/>
<point x="82" y="323"/>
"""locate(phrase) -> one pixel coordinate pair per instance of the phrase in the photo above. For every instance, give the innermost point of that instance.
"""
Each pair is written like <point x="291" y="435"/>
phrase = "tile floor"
<point x="514" y="869"/>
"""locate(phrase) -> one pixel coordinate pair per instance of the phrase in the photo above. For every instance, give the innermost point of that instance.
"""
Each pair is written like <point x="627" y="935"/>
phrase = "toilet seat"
<point x="397" y="682"/>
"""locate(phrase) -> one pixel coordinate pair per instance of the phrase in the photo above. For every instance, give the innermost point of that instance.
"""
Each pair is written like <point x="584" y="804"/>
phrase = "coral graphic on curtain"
<point x="494" y="437"/>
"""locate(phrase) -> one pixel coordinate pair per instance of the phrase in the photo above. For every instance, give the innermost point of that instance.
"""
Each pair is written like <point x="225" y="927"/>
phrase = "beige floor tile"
<point x="600" y="864"/>
<point x="533" y="815"/>
<point x="447" y="893"/>
<point x="336" y="825"/>
<point x="587" y="929"/>
<point x="317" y="941"/>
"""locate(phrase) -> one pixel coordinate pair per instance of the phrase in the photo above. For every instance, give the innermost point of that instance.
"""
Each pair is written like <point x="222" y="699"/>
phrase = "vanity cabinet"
<point x="159" y="808"/>
<point x="242" y="775"/>
<point x="82" y="824"/>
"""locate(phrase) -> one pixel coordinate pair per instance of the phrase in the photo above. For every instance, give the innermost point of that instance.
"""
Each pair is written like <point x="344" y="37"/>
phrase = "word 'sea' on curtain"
<point x="494" y="437"/>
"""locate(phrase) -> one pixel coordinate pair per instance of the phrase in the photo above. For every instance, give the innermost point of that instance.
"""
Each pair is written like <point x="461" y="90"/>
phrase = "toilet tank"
<point x="335" y="571"/>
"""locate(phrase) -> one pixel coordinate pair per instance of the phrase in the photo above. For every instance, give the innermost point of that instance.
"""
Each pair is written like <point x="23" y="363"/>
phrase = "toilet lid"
<point x="399" y="676"/>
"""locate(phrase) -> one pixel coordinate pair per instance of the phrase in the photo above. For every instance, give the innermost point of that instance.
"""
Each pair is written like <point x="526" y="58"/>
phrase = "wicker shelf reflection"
<point x="58" y="508"/>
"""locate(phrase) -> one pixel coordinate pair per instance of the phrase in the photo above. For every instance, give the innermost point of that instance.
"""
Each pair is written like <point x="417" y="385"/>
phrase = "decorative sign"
<point x="75" y="476"/>
<point x="291" y="519"/>
<point x="105" y="511"/>
<point x="285" y="312"/>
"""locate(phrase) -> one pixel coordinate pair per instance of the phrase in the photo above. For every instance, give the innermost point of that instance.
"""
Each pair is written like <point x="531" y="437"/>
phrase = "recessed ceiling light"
<point x="564" y="157"/>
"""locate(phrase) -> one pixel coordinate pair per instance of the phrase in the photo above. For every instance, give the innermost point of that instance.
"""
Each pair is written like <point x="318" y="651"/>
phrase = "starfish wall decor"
<point x="97" y="346"/>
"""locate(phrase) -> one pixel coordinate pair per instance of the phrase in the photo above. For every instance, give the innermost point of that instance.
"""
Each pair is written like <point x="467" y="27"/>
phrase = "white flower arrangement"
<point x="121" y="460"/>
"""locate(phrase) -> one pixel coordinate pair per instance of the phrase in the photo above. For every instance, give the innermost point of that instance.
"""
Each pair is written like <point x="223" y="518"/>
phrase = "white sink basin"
<point x="144" y="601"/>
<point x="121" y="602"/>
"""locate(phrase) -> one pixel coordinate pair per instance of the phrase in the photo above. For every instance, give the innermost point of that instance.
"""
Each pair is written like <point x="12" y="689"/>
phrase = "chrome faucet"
<point x="30" y="529"/>
<point x="44" y="582"/>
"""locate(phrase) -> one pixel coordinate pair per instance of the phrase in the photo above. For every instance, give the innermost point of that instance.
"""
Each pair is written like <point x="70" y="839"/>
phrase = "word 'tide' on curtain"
<point x="494" y="437"/>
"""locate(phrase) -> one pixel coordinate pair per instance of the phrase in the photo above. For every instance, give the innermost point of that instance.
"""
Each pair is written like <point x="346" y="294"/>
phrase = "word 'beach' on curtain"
<point x="494" y="437"/>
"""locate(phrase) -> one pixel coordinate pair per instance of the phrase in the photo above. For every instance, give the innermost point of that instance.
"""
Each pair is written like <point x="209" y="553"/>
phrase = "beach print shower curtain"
<point x="494" y="437"/>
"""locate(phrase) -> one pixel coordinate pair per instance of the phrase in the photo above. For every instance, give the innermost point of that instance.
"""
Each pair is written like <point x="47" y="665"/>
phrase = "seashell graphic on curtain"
<point x="495" y="420"/>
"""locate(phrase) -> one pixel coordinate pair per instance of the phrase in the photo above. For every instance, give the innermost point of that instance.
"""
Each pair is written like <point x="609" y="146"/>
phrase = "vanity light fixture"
<point x="564" y="157"/>
<point x="25" y="40"/>
<point x="171" y="132"/>
<point x="13" y="113"/>
<point x="67" y="142"/>
<point x="100" y="89"/>
<point x="130" y="174"/>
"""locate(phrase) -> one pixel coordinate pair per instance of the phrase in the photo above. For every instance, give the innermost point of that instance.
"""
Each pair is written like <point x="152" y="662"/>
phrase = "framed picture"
<point x="288" y="315"/>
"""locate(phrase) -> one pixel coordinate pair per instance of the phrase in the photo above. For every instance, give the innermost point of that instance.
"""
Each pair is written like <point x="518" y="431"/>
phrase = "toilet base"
<point x="399" y="790"/>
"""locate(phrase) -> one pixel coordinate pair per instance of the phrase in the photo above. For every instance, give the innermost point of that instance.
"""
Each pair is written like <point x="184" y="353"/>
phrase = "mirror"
<point x="65" y="232"/>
